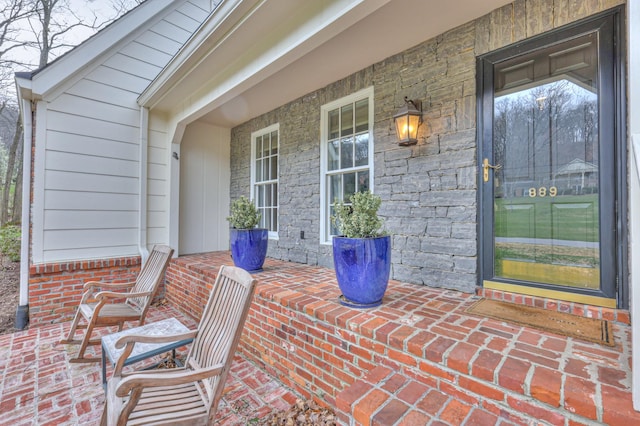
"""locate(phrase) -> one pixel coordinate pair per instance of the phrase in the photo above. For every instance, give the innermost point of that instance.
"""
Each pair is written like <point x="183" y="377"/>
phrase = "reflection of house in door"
<point x="204" y="188"/>
<point x="578" y="176"/>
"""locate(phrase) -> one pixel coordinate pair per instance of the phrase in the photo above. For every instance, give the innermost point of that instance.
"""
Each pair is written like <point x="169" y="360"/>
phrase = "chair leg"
<point x="72" y="330"/>
<point x="86" y="340"/>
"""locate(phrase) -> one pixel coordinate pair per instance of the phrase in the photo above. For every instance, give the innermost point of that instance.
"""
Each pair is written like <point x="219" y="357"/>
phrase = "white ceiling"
<point x="379" y="29"/>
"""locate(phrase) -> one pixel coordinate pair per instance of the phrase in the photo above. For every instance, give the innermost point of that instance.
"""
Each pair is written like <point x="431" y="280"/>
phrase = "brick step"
<point x="491" y="390"/>
<point x="421" y="355"/>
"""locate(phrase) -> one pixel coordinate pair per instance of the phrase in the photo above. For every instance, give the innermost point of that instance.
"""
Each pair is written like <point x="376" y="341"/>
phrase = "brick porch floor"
<point x="427" y="362"/>
<point x="420" y="358"/>
<point x="38" y="385"/>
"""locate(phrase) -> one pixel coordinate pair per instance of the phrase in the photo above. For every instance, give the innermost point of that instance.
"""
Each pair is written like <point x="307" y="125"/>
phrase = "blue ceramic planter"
<point x="249" y="248"/>
<point x="362" y="269"/>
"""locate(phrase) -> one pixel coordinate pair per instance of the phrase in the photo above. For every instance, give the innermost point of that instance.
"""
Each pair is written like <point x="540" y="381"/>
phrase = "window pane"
<point x="275" y="194"/>
<point x="362" y="115"/>
<point x="334" y="188"/>
<point x="334" y="155"/>
<point x="274" y="167"/>
<point x="259" y="171"/>
<point x="349" y="185"/>
<point x="362" y="150"/>
<point x="363" y="181"/>
<point x="346" y="125"/>
<point x="266" y="145"/>
<point x="258" y="146"/>
<point x="346" y="153"/>
<point x="332" y="228"/>
<point x="266" y="218"/>
<point x="334" y="123"/>
<point x="267" y="195"/>
<point x="265" y="169"/>
<point x="274" y="143"/>
<point x="260" y="196"/>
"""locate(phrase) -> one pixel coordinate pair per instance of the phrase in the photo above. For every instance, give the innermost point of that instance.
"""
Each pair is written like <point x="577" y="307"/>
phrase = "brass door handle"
<point x="485" y="169"/>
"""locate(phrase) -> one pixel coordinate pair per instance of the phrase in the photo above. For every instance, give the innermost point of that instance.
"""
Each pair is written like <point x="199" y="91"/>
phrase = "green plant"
<point x="359" y="219"/>
<point x="10" y="241"/>
<point x="244" y="214"/>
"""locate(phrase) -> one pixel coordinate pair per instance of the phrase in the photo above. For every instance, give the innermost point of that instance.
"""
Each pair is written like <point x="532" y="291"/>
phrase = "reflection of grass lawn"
<point x="566" y="217"/>
<point x="560" y="255"/>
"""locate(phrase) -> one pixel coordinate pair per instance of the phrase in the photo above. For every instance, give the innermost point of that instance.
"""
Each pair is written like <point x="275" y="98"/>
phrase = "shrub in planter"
<point x="362" y="253"/>
<point x="248" y="243"/>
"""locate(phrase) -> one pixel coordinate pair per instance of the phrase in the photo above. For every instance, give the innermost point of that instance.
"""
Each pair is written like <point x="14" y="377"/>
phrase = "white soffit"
<point x="253" y="56"/>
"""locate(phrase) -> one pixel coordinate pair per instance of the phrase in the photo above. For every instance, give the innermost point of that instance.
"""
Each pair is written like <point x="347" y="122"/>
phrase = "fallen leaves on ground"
<point x="302" y="413"/>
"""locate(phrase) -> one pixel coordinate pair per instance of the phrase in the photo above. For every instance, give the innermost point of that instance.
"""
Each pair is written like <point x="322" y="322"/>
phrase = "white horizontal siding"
<point x="70" y="181"/>
<point x="91" y="165"/>
<point x="171" y="31"/>
<point x="98" y="147"/>
<point x="111" y="77"/>
<point x="89" y="238"/>
<point x="90" y="253"/>
<point x="92" y="127"/>
<point x="102" y="93"/>
<point x="85" y="107"/>
<point x="79" y="200"/>
<point x="88" y="176"/>
<point x="159" y="42"/>
<point x="89" y="219"/>
<point x="196" y="10"/>
<point x="134" y="66"/>
<point x="146" y="53"/>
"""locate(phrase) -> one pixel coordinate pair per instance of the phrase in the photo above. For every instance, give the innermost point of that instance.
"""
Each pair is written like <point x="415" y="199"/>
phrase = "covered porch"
<point x="417" y="359"/>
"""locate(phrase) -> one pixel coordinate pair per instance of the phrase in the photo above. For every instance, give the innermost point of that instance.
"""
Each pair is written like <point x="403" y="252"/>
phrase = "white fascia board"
<point x="218" y="32"/>
<point x="23" y="87"/>
<point x="227" y="11"/>
<point x="47" y="79"/>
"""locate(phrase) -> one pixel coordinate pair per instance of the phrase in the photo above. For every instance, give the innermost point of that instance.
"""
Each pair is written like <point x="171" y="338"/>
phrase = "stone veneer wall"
<point x="55" y="289"/>
<point x="428" y="190"/>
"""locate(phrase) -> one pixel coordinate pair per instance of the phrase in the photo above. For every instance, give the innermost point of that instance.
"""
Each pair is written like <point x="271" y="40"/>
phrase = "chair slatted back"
<point x="150" y="277"/>
<point x="221" y="326"/>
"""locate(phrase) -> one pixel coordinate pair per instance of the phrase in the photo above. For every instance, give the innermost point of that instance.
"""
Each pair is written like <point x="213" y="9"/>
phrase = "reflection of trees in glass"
<point x="539" y="130"/>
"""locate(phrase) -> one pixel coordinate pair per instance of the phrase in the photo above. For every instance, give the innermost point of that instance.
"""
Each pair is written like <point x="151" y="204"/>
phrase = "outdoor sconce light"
<point x="407" y="120"/>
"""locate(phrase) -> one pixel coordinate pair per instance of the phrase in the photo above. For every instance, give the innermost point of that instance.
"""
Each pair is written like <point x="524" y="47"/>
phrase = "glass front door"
<point x="548" y="173"/>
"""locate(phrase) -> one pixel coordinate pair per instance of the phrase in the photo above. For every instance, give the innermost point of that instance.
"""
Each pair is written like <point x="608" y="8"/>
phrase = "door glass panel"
<point x="546" y="191"/>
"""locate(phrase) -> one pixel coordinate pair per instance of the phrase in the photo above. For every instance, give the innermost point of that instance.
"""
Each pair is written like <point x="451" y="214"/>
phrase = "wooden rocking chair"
<point x="109" y="307"/>
<point x="187" y="395"/>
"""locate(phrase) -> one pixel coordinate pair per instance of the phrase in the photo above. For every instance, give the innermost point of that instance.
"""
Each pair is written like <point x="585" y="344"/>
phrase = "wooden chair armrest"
<point x="128" y="342"/>
<point x="165" y="378"/>
<point x="107" y="286"/>
<point x="115" y="295"/>
<point x="139" y="338"/>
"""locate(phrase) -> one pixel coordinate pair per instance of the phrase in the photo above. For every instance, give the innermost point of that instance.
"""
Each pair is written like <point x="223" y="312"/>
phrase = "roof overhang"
<point x="252" y="56"/>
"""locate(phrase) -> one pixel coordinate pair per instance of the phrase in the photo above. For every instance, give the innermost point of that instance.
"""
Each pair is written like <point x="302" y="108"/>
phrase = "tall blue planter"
<point x="249" y="248"/>
<point x="362" y="269"/>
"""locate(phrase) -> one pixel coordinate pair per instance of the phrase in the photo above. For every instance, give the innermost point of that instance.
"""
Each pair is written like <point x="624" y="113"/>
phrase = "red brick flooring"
<point x="420" y="358"/>
<point x="38" y="385"/>
<point x="416" y="360"/>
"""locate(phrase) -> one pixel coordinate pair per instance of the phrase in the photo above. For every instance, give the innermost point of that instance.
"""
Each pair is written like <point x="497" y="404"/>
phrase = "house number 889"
<point x="543" y="192"/>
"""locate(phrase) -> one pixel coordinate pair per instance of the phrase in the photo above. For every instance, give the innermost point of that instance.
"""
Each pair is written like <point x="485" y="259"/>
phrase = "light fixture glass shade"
<point x="407" y="120"/>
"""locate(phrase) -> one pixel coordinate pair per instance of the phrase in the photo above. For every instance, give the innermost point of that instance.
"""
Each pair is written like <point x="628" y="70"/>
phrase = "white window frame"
<point x="274" y="127"/>
<point x="324" y="196"/>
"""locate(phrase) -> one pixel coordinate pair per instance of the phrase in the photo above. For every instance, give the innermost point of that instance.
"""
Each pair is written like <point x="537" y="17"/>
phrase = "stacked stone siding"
<point x="429" y="189"/>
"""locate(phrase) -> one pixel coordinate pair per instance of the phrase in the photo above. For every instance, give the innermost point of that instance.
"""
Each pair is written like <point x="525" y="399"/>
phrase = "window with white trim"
<point x="264" y="176"/>
<point x="347" y="153"/>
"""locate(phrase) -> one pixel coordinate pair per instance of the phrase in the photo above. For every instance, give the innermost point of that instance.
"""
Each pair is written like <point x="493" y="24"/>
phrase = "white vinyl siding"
<point x="346" y="158"/>
<point x="88" y="149"/>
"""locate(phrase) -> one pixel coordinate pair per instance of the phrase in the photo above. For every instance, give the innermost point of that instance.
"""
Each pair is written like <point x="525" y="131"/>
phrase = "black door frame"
<point x="613" y="235"/>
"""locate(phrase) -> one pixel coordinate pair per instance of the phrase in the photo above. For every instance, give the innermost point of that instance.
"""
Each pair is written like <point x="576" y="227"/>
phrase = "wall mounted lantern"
<point x="407" y="120"/>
